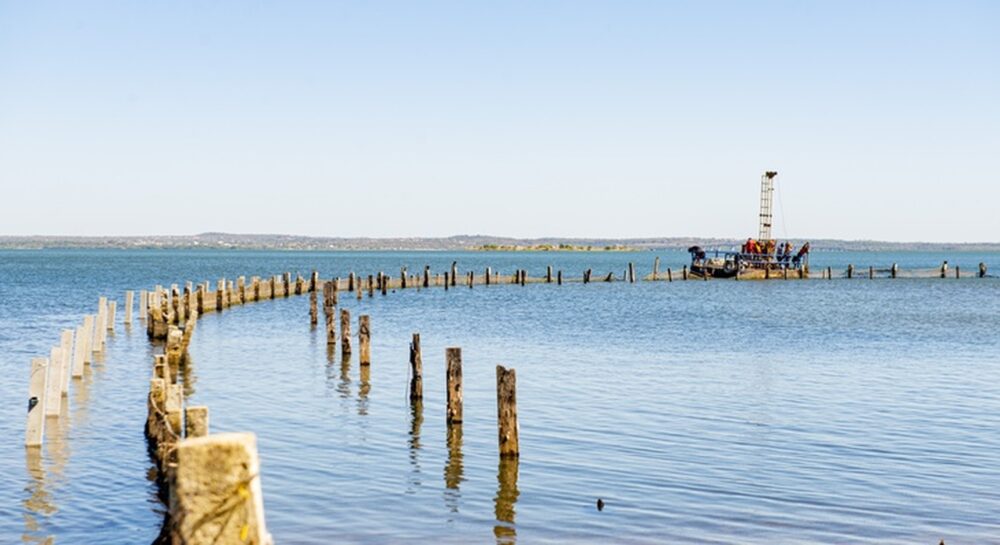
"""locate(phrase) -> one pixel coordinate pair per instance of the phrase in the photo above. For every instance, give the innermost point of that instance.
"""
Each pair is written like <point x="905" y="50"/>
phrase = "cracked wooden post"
<point x="53" y="394"/>
<point x="364" y="338"/>
<point x="507" y="413"/>
<point x="80" y="350"/>
<point x="454" y="273"/>
<point x="37" y="390"/>
<point x="215" y="473"/>
<point x="416" y="370"/>
<point x="328" y="311"/>
<point x="453" y="357"/>
<point x="129" y="303"/>
<point x="345" y="332"/>
<point x="220" y="295"/>
<point x="196" y="421"/>
<point x="188" y="331"/>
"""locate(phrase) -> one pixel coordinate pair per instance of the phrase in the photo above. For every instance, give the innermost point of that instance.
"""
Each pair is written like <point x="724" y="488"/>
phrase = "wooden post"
<point x="684" y="272"/>
<point x="88" y="339"/>
<point x="586" y="276"/>
<point x="631" y="272"/>
<point x="196" y="421"/>
<point x="850" y="271"/>
<point x="350" y="281"/>
<point x="286" y="284"/>
<point x="524" y="276"/>
<point x="66" y="352"/>
<point x="216" y="497"/>
<point x="100" y="326"/>
<point x="472" y="279"/>
<point x="175" y="346"/>
<point x="559" y="277"/>
<point x="220" y="291"/>
<point x="402" y="278"/>
<point x="957" y="274"/>
<point x="143" y="304"/>
<point x="357" y="289"/>
<point x="112" y="308"/>
<point x="416" y="369"/>
<point x="656" y="267"/>
<point x="829" y="273"/>
<point x="670" y="275"/>
<point x="427" y="276"/>
<point x="982" y="270"/>
<point x="383" y="282"/>
<point x="944" y="269"/>
<point x="364" y="339"/>
<point x="371" y="286"/>
<point x="488" y="272"/>
<point x="129" y="297"/>
<point x="313" y="309"/>
<point x="453" y="356"/>
<point x="871" y="272"/>
<point x="894" y="271"/>
<point x="37" y="391"/>
<point x="345" y="332"/>
<point x="548" y="274"/>
<point x="454" y="273"/>
<point x="446" y="281"/>
<point x="507" y="413"/>
<point x="53" y="395"/>
<point x="80" y="350"/>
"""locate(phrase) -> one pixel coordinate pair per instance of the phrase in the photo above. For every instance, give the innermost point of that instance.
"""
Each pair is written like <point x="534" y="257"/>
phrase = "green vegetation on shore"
<point x="553" y="248"/>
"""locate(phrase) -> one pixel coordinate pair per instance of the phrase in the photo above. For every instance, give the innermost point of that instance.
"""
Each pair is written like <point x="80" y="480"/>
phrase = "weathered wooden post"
<point x="143" y="304"/>
<point x="79" y="350"/>
<point x="100" y="325"/>
<point x="944" y="269"/>
<point x="684" y="273"/>
<point x="850" y="271"/>
<point x="53" y="395"/>
<point x="286" y="283"/>
<point x="957" y="273"/>
<point x="220" y="295"/>
<point x="524" y="276"/>
<point x="416" y="370"/>
<point x="350" y="281"/>
<point x="357" y="289"/>
<point x="472" y="279"/>
<point x="871" y="272"/>
<point x="383" y="282"/>
<point x="559" y="277"/>
<point x="314" y="280"/>
<point x="112" y="310"/>
<point x="982" y="270"/>
<point x="371" y="286"/>
<point x="364" y="339"/>
<point x="894" y="270"/>
<point x="37" y="391"/>
<point x="313" y="309"/>
<point x="345" y="332"/>
<point x="670" y="275"/>
<point x="631" y="272"/>
<point x="129" y="297"/>
<point x="488" y="272"/>
<point x="66" y="352"/>
<point x="216" y="497"/>
<point x="195" y="421"/>
<point x="427" y="276"/>
<point x="446" y="282"/>
<point x="829" y="273"/>
<point x="507" y="413"/>
<point x="175" y="346"/>
<point x="548" y="274"/>
<point x="656" y="268"/>
<point x="454" y="273"/>
<point x="453" y="357"/>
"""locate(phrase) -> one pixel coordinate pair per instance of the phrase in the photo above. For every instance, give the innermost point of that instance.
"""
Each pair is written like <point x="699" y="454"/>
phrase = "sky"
<point x="525" y="119"/>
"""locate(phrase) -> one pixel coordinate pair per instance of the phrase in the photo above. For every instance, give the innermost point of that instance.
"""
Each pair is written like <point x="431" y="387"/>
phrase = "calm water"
<point x="781" y="412"/>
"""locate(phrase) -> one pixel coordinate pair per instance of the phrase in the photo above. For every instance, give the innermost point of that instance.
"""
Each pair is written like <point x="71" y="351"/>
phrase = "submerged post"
<point x="364" y="339"/>
<point x="507" y="412"/>
<point x="453" y="357"/>
<point x="416" y="370"/>
<point x="37" y="389"/>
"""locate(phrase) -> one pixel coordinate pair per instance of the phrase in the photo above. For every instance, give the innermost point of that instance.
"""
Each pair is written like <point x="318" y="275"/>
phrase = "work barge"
<point x="198" y="471"/>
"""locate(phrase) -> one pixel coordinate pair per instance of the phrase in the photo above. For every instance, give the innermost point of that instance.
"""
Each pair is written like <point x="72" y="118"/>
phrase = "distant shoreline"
<point x="473" y="243"/>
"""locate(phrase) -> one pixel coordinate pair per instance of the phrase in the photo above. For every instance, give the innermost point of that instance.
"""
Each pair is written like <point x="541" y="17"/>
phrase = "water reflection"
<point x="507" y="493"/>
<point x="454" y="470"/>
<point x="363" y="389"/>
<point x="81" y="394"/>
<point x="38" y="503"/>
<point x="416" y="421"/>
<point x="344" y="386"/>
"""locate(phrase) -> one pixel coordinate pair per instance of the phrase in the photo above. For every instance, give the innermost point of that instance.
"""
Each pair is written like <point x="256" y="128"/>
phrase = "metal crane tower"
<point x="766" y="204"/>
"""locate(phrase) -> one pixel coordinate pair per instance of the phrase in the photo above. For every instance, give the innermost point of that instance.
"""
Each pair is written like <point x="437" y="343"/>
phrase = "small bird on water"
<point x="600" y="504"/>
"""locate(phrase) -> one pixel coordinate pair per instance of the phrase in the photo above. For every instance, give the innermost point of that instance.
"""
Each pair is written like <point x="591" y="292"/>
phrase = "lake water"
<point x="710" y="412"/>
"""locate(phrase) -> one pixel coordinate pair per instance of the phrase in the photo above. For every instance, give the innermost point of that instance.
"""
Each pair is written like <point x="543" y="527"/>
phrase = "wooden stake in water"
<point x="112" y="306"/>
<point x="345" y="332"/>
<point x="894" y="271"/>
<point x="216" y="497"/>
<point x="196" y="421"/>
<point x="850" y="271"/>
<point x="507" y="413"/>
<point x="129" y="296"/>
<point x="53" y="394"/>
<point x="656" y="268"/>
<point x="364" y="338"/>
<point x="37" y="391"/>
<point x="453" y="357"/>
<point x="631" y="272"/>
<point x="982" y="270"/>
<point x="559" y="277"/>
<point x="454" y="272"/>
<point x="66" y="352"/>
<point x="548" y="274"/>
<point x="143" y="304"/>
<point x="416" y="370"/>
<point x="80" y="350"/>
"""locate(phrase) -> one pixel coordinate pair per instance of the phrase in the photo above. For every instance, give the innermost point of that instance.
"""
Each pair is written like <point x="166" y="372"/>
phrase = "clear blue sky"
<point x="510" y="118"/>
